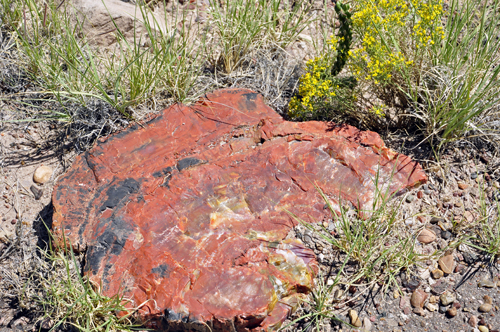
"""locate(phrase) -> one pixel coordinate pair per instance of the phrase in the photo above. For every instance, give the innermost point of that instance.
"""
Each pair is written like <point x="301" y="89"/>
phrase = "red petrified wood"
<point x="186" y="214"/>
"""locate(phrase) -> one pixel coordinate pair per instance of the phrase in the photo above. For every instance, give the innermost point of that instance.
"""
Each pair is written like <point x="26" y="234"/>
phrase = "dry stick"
<point x="60" y="4"/>
<point x="44" y="15"/>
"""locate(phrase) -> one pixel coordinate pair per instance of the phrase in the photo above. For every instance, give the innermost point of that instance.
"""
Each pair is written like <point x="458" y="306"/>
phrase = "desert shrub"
<point x="321" y="91"/>
<point x="417" y="64"/>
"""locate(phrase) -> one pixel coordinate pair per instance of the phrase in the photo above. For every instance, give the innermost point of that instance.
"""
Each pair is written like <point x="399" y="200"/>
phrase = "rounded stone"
<point x="447" y="264"/>
<point x="485" y="307"/>
<point x="410" y="198"/>
<point x="355" y="321"/>
<point x="486" y="283"/>
<point x="447" y="298"/>
<point x="426" y="236"/>
<point x="452" y="312"/>
<point x="418" y="311"/>
<point x="483" y="328"/>
<point x="473" y="321"/>
<point x="418" y="298"/>
<point x="367" y="324"/>
<point x="446" y="235"/>
<point x="431" y="306"/>
<point x="437" y="274"/>
<point x="42" y="174"/>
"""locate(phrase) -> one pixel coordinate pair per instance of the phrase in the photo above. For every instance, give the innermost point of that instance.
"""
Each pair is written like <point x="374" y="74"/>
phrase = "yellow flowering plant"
<point x="395" y="37"/>
<point x="320" y="90"/>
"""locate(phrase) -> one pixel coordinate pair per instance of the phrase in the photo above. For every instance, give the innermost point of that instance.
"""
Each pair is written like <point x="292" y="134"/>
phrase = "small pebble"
<point x="463" y="185"/>
<point x="446" y="235"/>
<point x="452" y="312"/>
<point x="447" y="298"/>
<point x="42" y="174"/>
<point x="427" y="192"/>
<point x="420" y="194"/>
<point x="367" y="324"/>
<point x="473" y="176"/>
<point x="353" y="316"/>
<point x="442" y="309"/>
<point x="447" y="264"/>
<point x="435" y="220"/>
<point x="437" y="274"/>
<point x="473" y="321"/>
<point x="410" y="198"/>
<point x="426" y="236"/>
<point x="470" y="258"/>
<point x="418" y="311"/>
<point x="431" y="306"/>
<point x="459" y="268"/>
<point x="483" y="328"/>
<point x="37" y="192"/>
<point x="418" y="298"/>
<point x="439" y="287"/>
<point x="485" y="307"/>
<point x="486" y="283"/>
<point x="13" y="221"/>
<point x="412" y="284"/>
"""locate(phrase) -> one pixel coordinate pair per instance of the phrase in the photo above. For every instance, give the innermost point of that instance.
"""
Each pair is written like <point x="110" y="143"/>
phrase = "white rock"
<point x="367" y="325"/>
<point x="42" y="174"/>
<point x="431" y="307"/>
<point x="425" y="274"/>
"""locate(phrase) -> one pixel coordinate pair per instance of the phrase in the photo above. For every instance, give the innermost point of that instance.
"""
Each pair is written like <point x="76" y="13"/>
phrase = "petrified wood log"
<point x="186" y="214"/>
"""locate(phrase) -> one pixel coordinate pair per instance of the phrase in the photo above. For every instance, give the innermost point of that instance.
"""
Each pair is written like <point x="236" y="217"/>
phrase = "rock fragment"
<point x="37" y="192"/>
<point x="367" y="324"/>
<point x="353" y="316"/>
<point x="451" y="312"/>
<point x="473" y="321"/>
<point x="486" y="283"/>
<point x="446" y="263"/>
<point x="431" y="307"/>
<point x="418" y="298"/>
<point x="426" y="236"/>
<point x="42" y="174"/>
<point x="437" y="274"/>
<point x="187" y="212"/>
<point x="487" y="305"/>
<point x="447" y="298"/>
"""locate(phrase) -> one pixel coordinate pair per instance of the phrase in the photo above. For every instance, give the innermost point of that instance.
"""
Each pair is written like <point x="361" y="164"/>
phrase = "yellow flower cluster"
<point x="316" y="85"/>
<point x="384" y="26"/>
<point x="427" y="29"/>
<point x="378" y="111"/>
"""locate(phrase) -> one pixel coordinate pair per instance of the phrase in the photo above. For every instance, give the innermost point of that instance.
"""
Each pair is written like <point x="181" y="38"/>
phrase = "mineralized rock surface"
<point x="188" y="214"/>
